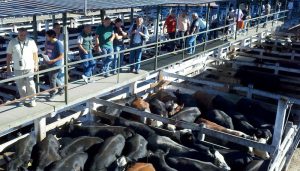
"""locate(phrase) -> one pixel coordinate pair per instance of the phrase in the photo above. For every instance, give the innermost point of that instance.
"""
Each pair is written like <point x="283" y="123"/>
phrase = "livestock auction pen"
<point x="81" y="99"/>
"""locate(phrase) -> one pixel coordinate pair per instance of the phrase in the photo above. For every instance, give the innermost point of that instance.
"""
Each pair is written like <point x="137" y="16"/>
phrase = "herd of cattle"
<point x="118" y="140"/>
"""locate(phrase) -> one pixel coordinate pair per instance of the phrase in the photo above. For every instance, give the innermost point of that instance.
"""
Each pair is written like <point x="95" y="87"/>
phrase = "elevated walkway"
<point x="78" y="93"/>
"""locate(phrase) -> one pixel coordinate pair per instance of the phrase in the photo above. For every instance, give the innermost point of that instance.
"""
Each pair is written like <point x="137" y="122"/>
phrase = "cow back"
<point x="141" y="167"/>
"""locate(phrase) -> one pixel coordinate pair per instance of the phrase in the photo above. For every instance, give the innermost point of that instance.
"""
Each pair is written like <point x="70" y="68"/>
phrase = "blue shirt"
<point x="54" y="50"/>
<point x="137" y="38"/>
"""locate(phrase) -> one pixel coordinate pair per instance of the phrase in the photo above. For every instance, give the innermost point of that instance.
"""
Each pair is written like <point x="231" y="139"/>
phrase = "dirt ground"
<point x="295" y="163"/>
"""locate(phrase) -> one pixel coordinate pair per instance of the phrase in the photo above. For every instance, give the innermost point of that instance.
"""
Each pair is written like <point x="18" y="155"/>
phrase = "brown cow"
<point x="141" y="167"/>
<point x="214" y="126"/>
<point x="139" y="104"/>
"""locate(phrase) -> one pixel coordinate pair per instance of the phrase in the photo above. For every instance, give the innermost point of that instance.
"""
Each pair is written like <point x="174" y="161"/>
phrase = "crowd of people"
<point x="109" y="41"/>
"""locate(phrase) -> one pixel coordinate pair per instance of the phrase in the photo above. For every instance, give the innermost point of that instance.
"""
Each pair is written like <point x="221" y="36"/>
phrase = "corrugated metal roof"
<point x="12" y="8"/>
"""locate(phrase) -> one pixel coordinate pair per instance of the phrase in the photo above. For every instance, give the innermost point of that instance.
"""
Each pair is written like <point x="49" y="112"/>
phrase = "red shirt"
<point x="171" y="24"/>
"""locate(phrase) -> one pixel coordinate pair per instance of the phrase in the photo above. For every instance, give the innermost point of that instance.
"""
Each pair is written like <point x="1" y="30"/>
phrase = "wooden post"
<point x="40" y="128"/>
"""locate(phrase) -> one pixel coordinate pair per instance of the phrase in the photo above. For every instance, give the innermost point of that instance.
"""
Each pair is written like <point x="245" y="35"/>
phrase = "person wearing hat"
<point x="24" y="54"/>
<point x="104" y="39"/>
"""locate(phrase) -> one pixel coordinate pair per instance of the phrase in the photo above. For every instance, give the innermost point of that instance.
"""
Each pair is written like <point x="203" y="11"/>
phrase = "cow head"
<point x="140" y="104"/>
<point x="263" y="133"/>
<point x="220" y="161"/>
<point x="260" y="153"/>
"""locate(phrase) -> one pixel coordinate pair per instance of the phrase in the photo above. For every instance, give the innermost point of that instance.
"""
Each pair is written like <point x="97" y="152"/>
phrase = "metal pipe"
<point x="258" y="20"/>
<point x="131" y="16"/>
<point x="65" y="56"/>
<point x="85" y="8"/>
<point x="35" y="35"/>
<point x="157" y="38"/>
<point x="237" y="19"/>
<point x="207" y="21"/>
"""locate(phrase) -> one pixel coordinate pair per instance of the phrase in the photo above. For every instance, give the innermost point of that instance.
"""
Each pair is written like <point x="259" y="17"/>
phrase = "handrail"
<point x="149" y="46"/>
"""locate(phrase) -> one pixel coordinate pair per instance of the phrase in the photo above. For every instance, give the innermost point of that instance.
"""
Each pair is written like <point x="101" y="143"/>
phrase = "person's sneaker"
<point x="106" y="75"/>
<point x="137" y="72"/>
<point x="114" y="73"/>
<point x="85" y="79"/>
<point x="91" y="81"/>
<point x="32" y="103"/>
<point x="51" y="96"/>
<point x="60" y="92"/>
<point x="189" y="53"/>
<point x="20" y="104"/>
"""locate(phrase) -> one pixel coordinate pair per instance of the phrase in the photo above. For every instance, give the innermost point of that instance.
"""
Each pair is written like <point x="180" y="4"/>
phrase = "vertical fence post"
<point x="131" y="16"/>
<point x="40" y="128"/>
<point x="53" y="20"/>
<point x="35" y="37"/>
<point x="119" y="65"/>
<point x="207" y="21"/>
<point x="66" y="66"/>
<point x="259" y="17"/>
<point x="156" y="36"/>
<point x="279" y="121"/>
<point x="237" y="19"/>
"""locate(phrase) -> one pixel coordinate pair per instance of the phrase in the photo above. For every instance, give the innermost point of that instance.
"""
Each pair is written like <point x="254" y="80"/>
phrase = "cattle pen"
<point x="211" y="69"/>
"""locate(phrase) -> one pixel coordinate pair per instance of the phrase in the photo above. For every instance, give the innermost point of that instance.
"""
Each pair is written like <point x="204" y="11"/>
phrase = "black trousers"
<point x="172" y="44"/>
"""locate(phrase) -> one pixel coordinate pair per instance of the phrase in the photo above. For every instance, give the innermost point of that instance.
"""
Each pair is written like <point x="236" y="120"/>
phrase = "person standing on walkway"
<point x="54" y="57"/>
<point x="120" y="34"/>
<point x="290" y="8"/>
<point x="24" y="54"/>
<point x="85" y="45"/>
<point x="138" y="33"/>
<point x="170" y="23"/>
<point x="104" y="39"/>
<point x="267" y="12"/>
<point x="60" y="37"/>
<point x="183" y="26"/>
<point x="194" y="29"/>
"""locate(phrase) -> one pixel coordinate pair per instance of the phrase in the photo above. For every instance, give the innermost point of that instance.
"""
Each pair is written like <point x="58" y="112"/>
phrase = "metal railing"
<point x="156" y="46"/>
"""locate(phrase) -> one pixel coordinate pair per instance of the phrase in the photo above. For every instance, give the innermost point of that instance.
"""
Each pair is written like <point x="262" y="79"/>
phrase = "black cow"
<point x="236" y="159"/>
<point x="139" y="128"/>
<point x="73" y="162"/>
<point x="184" y="164"/>
<point x="185" y="100"/>
<point x="158" y="160"/>
<point x="255" y="113"/>
<point x="135" y="148"/>
<point x="219" y="117"/>
<point x="158" y="107"/>
<point x="175" y="149"/>
<point x="188" y="114"/>
<point x="95" y="131"/>
<point x="80" y="144"/>
<point x="239" y="120"/>
<point x="110" y="149"/>
<point x="257" y="165"/>
<point x="45" y="153"/>
<point x="23" y="149"/>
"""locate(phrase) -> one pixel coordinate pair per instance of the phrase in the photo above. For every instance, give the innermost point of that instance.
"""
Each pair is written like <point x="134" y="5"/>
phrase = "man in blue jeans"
<point x="138" y="36"/>
<point x="104" y="39"/>
<point x="194" y="29"/>
<point x="85" y="45"/>
<point x="118" y="44"/>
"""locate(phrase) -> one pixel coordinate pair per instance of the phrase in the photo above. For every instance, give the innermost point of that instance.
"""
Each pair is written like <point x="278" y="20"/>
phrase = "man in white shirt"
<point x="22" y="51"/>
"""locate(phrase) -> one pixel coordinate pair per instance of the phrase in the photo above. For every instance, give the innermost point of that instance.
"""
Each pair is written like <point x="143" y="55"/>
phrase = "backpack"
<point x="202" y="23"/>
